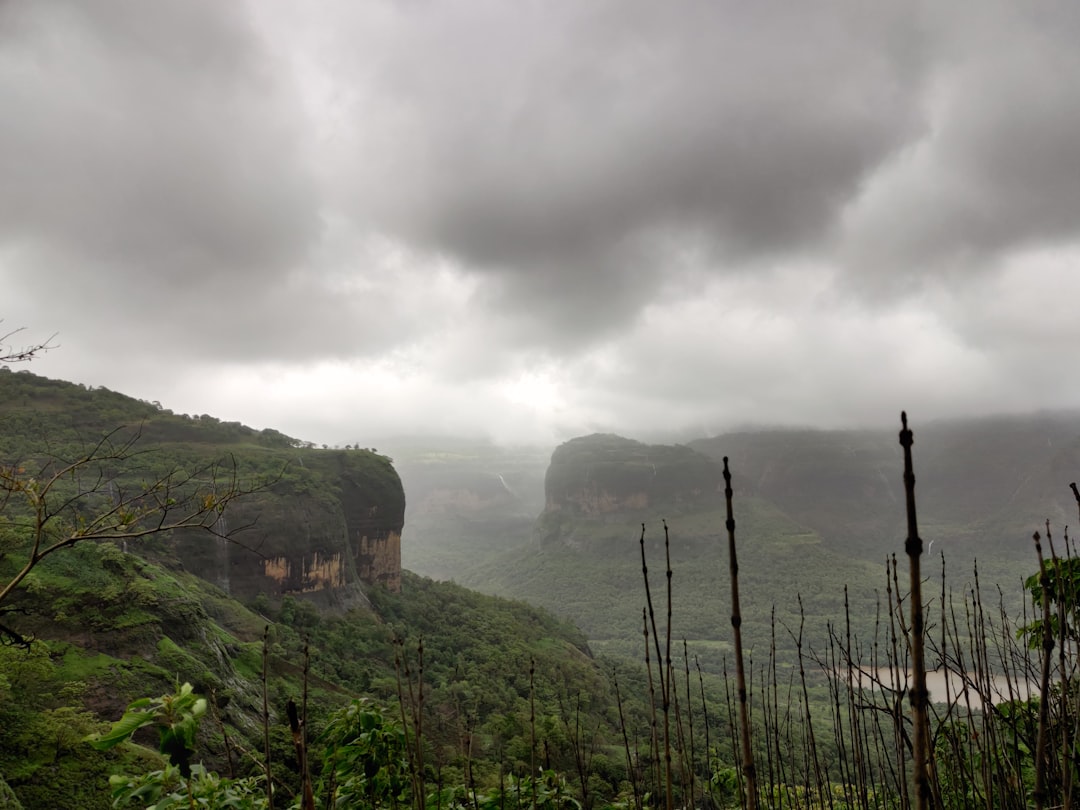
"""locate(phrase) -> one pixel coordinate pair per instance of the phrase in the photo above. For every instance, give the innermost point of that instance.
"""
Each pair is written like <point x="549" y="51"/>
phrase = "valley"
<point x="509" y="583"/>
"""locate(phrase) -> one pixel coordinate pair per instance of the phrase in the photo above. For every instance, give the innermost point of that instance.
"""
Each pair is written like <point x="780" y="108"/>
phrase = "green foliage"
<point x="169" y="788"/>
<point x="176" y="718"/>
<point x="181" y="783"/>
<point x="1063" y="594"/>
<point x="365" y="763"/>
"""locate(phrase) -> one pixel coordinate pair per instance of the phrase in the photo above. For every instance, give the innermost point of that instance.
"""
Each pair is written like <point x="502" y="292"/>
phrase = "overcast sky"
<point x="536" y="219"/>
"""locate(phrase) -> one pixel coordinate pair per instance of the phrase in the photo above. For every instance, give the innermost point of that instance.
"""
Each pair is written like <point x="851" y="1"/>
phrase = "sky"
<point x="534" y="220"/>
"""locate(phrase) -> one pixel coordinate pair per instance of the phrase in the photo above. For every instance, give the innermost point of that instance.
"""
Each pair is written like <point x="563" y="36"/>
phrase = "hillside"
<point x="584" y="560"/>
<point x="984" y="485"/>
<point x="322" y="521"/>
<point x="104" y="623"/>
<point x="817" y="511"/>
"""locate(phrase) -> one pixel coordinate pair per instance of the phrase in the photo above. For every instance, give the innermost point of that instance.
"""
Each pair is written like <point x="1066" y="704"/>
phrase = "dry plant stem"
<point x="732" y="724"/>
<point x="772" y="699"/>
<point x="898" y="678"/>
<point x="305" y="771"/>
<point x="418" y="721"/>
<point x="812" y="742"/>
<point x="399" y="645"/>
<point x="740" y="672"/>
<point x="690" y="723"/>
<point x="654" y="726"/>
<point x="296" y="728"/>
<point x="1063" y="675"/>
<point x="839" y="736"/>
<point x="630" y="769"/>
<point x="705" y="716"/>
<point x="668" y="684"/>
<point x="266" y="719"/>
<point x="1040" y="793"/>
<point x="407" y="694"/>
<point x="853" y="713"/>
<point x="224" y="733"/>
<point x="470" y="777"/>
<point x="681" y="744"/>
<point x="919" y="695"/>
<point x="532" y="729"/>
<point x="1069" y="754"/>
<point x="650" y="621"/>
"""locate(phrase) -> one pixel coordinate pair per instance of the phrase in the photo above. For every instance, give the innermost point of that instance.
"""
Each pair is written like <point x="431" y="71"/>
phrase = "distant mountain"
<point x="983" y="486"/>
<point x="816" y="511"/>
<point x="604" y="477"/>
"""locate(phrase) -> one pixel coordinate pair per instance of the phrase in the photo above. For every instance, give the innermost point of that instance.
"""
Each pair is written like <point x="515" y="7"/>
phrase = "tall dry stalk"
<point x="663" y="667"/>
<point x="1041" y="742"/>
<point x="266" y="718"/>
<point x="920" y="697"/>
<point x="532" y="729"/>
<point x="750" y="774"/>
<point x="631" y="768"/>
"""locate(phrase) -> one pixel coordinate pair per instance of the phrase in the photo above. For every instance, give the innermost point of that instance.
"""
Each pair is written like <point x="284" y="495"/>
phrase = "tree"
<point x="111" y="492"/>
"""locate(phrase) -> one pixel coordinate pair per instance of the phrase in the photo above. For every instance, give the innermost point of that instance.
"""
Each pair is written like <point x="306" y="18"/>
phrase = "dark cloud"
<point x="157" y="139"/>
<point x="565" y="148"/>
<point x="595" y="214"/>
<point x="993" y="172"/>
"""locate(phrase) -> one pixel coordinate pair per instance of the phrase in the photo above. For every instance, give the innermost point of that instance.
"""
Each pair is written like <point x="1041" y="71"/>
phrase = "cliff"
<point x="332" y="521"/>
<point x="326" y="522"/>
<point x="607" y="478"/>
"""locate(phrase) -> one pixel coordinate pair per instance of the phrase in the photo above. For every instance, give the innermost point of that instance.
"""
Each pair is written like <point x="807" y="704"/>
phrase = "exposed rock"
<point x="327" y="526"/>
<point x="606" y="477"/>
<point x="328" y="521"/>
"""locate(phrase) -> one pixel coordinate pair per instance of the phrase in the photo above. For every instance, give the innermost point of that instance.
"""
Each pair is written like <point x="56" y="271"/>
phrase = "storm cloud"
<point x="537" y="219"/>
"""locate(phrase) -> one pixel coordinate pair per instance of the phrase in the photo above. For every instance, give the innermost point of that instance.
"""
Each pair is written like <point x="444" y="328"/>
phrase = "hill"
<point x="322" y="521"/>
<point x="984" y="485"/>
<point x="103" y="623"/>
<point x="817" y="512"/>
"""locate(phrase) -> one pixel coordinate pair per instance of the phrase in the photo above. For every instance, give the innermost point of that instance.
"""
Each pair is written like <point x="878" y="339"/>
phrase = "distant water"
<point x="948" y="685"/>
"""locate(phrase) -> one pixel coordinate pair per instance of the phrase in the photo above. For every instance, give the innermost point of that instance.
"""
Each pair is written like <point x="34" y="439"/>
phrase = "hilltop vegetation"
<point x="314" y="514"/>
<point x="109" y="624"/>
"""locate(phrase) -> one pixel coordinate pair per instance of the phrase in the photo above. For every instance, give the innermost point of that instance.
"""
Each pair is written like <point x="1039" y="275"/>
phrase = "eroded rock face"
<point x="330" y="524"/>
<point x="603" y="477"/>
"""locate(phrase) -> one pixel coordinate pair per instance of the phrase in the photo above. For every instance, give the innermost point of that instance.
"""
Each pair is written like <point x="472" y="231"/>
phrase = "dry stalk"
<point x="751" y="792"/>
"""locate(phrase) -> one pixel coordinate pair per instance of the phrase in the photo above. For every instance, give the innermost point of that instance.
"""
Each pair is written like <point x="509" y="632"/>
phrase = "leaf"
<point x="122" y="729"/>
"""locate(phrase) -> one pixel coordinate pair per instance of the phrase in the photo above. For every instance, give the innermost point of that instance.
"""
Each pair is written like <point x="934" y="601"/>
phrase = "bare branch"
<point x="90" y="499"/>
<point x="22" y="354"/>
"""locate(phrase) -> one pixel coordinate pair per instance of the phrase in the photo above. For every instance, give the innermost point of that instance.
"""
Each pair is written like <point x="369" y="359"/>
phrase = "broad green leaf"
<point x="122" y="729"/>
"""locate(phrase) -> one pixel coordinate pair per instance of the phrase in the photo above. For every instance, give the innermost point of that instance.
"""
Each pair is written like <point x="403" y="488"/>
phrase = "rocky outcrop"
<point x="322" y="523"/>
<point x="325" y="527"/>
<point x="604" y="477"/>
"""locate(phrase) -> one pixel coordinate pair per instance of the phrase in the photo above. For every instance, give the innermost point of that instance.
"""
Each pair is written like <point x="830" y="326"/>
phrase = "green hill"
<point x="103" y="623"/>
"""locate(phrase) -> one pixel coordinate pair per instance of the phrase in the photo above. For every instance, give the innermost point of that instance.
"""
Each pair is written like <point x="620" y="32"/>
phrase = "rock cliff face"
<point x="605" y="477"/>
<point x="331" y="524"/>
<point x="327" y="521"/>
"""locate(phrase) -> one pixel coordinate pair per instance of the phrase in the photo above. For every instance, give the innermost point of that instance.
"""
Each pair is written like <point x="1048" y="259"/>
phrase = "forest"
<point x="129" y="681"/>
